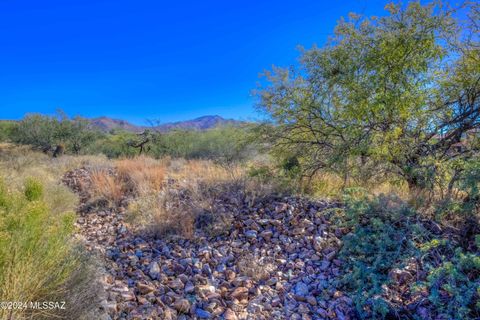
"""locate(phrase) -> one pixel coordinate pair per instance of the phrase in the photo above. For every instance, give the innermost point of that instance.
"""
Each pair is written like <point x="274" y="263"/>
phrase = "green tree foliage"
<point x="47" y="132"/>
<point x="114" y="145"/>
<point x="225" y="145"/>
<point x="37" y="130"/>
<point x="6" y="129"/>
<point x="393" y="94"/>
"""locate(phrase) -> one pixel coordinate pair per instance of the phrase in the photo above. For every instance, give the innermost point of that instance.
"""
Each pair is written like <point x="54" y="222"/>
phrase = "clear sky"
<point x="165" y="60"/>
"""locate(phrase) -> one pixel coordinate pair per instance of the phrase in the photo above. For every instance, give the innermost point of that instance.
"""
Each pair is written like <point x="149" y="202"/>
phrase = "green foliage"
<point x="453" y="286"/>
<point x="386" y="235"/>
<point x="37" y="257"/>
<point x="114" y="145"/>
<point x="383" y="237"/>
<point x="33" y="190"/>
<point x="38" y="131"/>
<point x="47" y="132"/>
<point x="77" y="134"/>
<point x="6" y="130"/>
<point x="386" y="95"/>
<point x="224" y="145"/>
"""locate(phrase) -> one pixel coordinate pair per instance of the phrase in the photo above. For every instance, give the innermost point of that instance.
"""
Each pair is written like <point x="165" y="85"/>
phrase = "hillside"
<point x="202" y="123"/>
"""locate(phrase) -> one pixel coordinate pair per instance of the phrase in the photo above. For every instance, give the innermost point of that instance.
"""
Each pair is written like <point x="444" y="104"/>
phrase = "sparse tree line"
<point x="60" y="134"/>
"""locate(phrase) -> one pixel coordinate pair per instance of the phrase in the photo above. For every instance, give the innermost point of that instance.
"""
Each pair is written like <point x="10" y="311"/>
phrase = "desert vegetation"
<point x="357" y="198"/>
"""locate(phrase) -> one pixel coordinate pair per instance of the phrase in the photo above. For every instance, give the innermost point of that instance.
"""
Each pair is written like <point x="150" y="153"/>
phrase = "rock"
<point x="292" y="261"/>
<point x="182" y="306"/>
<point x="325" y="265"/>
<point x="312" y="300"/>
<point x="206" y="269"/>
<point x="230" y="275"/>
<point x="176" y="284"/>
<point x="301" y="289"/>
<point x="240" y="293"/>
<point x="229" y="315"/>
<point x="202" y="314"/>
<point x="154" y="270"/>
<point x="145" y="288"/>
<point x="189" y="287"/>
<point x="303" y="308"/>
<point x="267" y="234"/>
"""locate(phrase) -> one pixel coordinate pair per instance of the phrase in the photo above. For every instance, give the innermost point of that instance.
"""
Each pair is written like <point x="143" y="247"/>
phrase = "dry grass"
<point x="19" y="162"/>
<point x="203" y="170"/>
<point x="146" y="174"/>
<point x="329" y="185"/>
<point x="164" y="214"/>
<point x="106" y="185"/>
<point x="175" y="197"/>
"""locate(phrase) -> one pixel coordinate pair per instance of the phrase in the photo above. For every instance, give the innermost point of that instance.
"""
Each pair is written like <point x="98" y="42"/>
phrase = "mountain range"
<point x="107" y="124"/>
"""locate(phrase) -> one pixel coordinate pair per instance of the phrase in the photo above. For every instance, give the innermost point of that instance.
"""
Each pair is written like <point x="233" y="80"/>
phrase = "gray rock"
<point x="154" y="270"/>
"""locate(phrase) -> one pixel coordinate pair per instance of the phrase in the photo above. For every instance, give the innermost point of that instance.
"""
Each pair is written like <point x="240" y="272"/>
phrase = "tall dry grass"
<point x="145" y="174"/>
<point x="106" y="185"/>
<point x="175" y="197"/>
<point x="329" y="185"/>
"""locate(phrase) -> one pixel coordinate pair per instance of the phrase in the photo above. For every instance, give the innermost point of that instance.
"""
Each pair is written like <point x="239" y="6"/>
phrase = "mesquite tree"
<point x="394" y="94"/>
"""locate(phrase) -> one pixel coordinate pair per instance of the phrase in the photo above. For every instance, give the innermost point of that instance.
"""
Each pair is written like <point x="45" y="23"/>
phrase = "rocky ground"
<point x="276" y="260"/>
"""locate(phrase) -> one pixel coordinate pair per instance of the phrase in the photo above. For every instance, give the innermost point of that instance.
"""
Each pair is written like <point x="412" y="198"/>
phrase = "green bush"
<point x="6" y="129"/>
<point x="454" y="286"/>
<point x="114" y="145"/>
<point x="224" y="145"/>
<point x="38" y="261"/>
<point x="45" y="133"/>
<point x="383" y="237"/>
<point x="33" y="190"/>
<point x="387" y="235"/>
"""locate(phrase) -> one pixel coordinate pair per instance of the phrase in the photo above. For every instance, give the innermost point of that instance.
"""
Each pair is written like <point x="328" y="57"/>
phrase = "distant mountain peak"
<point x="206" y="122"/>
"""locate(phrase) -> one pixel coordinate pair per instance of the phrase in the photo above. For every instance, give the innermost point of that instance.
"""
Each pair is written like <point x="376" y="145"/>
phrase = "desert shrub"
<point x="6" y="130"/>
<point x="38" y="260"/>
<point x="453" y="286"/>
<point x="45" y="133"/>
<point x="194" y="202"/>
<point x="225" y="145"/>
<point x="159" y="214"/>
<point x="384" y="235"/>
<point x="400" y="90"/>
<point x="201" y="194"/>
<point x="33" y="189"/>
<point x="114" y="145"/>
<point x="440" y="264"/>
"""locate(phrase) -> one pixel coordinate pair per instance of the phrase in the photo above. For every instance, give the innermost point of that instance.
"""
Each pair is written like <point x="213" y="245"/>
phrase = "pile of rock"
<point x="276" y="261"/>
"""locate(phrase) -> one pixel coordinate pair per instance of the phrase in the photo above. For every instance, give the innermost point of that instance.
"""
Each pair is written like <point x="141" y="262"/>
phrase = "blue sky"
<point x="162" y="60"/>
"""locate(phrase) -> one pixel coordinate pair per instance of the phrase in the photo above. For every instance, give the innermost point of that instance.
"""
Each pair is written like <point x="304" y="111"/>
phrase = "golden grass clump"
<point x="106" y="185"/>
<point x="146" y="174"/>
